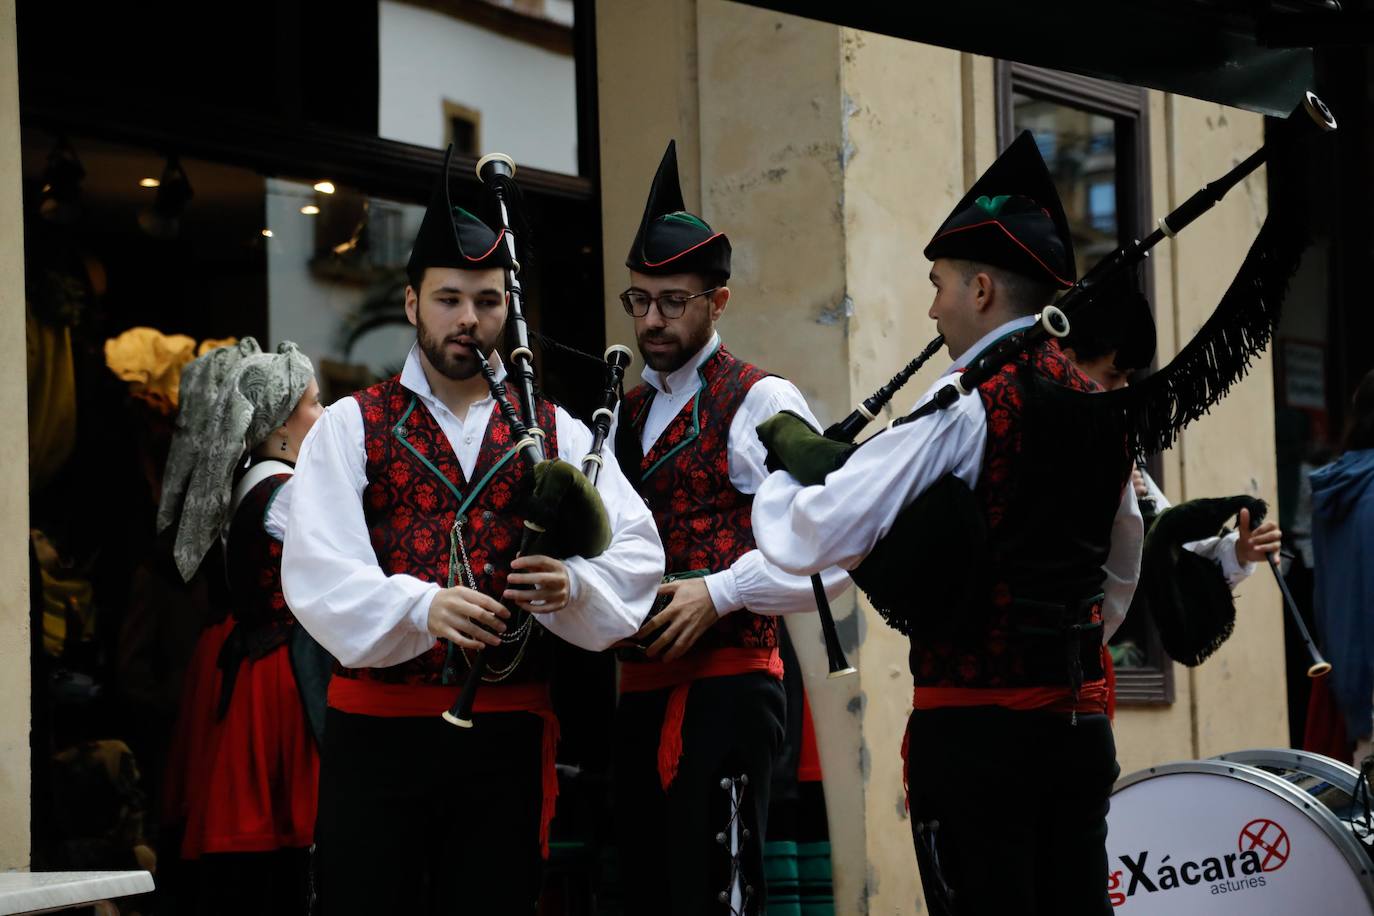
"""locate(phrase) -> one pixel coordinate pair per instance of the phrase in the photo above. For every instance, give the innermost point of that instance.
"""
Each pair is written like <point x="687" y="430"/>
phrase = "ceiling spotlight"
<point x="163" y="219"/>
<point x="148" y="183"/>
<point x="61" y="190"/>
<point x="267" y="233"/>
<point x="310" y="210"/>
<point x="325" y="187"/>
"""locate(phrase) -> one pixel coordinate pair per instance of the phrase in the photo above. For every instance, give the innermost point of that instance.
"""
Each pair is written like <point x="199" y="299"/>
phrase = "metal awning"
<point x="1236" y="52"/>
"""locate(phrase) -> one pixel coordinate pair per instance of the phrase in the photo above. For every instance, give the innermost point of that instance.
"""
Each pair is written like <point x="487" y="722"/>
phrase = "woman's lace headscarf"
<point x="201" y="383"/>
<point x="256" y="398"/>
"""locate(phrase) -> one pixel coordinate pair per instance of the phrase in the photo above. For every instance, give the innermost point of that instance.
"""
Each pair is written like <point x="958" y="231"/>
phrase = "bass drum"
<point x="1335" y="784"/>
<point x="1224" y="836"/>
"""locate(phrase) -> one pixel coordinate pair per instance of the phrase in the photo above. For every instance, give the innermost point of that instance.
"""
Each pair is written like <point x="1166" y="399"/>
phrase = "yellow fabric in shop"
<point x="150" y="362"/>
<point x="52" y="398"/>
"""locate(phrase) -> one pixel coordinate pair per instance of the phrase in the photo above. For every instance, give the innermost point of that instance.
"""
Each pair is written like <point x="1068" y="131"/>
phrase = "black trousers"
<point x="1013" y="807"/>
<point x="233" y="883"/>
<point x="670" y="858"/>
<point x="417" y="816"/>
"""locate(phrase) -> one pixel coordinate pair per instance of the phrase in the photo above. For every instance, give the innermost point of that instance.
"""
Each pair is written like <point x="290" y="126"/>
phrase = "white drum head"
<point x="1206" y="837"/>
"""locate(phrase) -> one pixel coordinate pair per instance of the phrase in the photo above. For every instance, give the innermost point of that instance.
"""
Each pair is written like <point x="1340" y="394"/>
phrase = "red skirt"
<point x="1325" y="732"/>
<point x="186" y="759"/>
<point x="253" y="779"/>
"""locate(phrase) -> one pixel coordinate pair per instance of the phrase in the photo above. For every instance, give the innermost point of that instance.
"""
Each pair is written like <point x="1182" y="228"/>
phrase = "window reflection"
<point x="1080" y="148"/>
<point x="336" y="280"/>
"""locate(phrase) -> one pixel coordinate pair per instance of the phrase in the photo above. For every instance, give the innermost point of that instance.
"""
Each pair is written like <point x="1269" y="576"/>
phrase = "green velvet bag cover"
<point x="560" y="499"/>
<point x="795" y="447"/>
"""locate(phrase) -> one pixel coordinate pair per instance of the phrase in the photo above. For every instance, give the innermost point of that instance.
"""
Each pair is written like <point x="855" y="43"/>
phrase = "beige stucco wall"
<point x="1237" y="699"/>
<point x="14" y="505"/>
<point x="830" y="156"/>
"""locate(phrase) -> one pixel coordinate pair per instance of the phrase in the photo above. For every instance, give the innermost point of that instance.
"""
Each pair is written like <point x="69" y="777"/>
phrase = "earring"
<point x="283" y="444"/>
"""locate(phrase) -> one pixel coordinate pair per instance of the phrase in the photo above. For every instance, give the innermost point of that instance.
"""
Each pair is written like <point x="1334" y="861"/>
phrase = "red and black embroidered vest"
<point x="253" y="562"/>
<point x="415" y="492"/>
<point x="685" y="480"/>
<point x="1053" y="471"/>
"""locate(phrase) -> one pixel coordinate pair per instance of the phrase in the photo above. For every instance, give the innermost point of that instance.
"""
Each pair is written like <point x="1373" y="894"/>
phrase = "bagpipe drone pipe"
<point x="563" y="514"/>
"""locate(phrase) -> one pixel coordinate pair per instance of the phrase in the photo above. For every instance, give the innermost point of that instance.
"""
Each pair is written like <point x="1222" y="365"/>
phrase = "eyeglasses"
<point x="670" y="304"/>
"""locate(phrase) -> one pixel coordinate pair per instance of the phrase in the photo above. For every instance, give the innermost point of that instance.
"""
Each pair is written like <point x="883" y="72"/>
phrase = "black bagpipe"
<point x="1319" y="666"/>
<point x="846" y="431"/>
<point x="1154" y="412"/>
<point x="618" y="358"/>
<point x="497" y="171"/>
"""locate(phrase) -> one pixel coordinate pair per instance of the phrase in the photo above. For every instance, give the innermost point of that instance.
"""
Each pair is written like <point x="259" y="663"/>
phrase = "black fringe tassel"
<point x="1221" y="353"/>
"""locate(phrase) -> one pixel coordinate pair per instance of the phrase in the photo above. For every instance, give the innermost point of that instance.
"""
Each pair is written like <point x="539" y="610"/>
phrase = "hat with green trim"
<point x="450" y="236"/>
<point x="1012" y="218"/>
<point x="671" y="240"/>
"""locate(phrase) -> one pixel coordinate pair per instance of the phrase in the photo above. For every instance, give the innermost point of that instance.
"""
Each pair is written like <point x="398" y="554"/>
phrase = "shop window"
<point x="1094" y="136"/>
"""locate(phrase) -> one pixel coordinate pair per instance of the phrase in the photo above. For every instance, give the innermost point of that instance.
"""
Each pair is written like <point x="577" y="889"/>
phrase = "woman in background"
<point x="249" y="764"/>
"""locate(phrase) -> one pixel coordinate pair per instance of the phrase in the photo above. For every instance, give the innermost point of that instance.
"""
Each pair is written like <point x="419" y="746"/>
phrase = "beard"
<point x="667" y="349"/>
<point x="459" y="365"/>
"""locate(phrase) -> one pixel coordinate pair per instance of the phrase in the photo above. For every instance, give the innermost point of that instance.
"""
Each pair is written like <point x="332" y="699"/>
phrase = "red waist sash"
<point x="1093" y="697"/>
<point x="636" y="677"/>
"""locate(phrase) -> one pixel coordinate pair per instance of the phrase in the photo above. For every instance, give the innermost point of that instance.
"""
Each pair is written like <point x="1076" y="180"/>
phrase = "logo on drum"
<point x="1262" y="847"/>
<point x="1267" y="839"/>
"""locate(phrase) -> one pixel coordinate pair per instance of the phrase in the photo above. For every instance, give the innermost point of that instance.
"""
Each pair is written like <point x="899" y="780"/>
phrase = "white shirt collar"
<point x="680" y="378"/>
<point x="962" y="360"/>
<point x="413" y="378"/>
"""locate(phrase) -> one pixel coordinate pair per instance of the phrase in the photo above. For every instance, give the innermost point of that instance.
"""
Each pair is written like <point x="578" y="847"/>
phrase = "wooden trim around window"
<point x="1130" y="104"/>
<point x="1146" y="686"/>
<point x="454" y="110"/>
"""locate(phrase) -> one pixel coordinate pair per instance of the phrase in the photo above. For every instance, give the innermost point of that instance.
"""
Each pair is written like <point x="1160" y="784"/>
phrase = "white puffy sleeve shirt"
<point x="805" y="528"/>
<point x="367" y="618"/>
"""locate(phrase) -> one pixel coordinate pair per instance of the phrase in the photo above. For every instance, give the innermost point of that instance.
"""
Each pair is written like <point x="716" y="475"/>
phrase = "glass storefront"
<point x="140" y="255"/>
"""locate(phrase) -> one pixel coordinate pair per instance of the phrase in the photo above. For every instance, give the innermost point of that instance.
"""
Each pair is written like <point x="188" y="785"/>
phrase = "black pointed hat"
<point x="671" y="240"/>
<point x="1012" y="218"/>
<point x="450" y="236"/>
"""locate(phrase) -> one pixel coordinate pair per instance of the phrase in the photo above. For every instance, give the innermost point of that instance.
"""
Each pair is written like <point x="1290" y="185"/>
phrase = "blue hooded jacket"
<point x="1343" y="542"/>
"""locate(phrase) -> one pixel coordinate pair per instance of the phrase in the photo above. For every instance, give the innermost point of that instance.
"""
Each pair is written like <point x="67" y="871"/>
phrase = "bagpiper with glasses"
<point x="701" y="710"/>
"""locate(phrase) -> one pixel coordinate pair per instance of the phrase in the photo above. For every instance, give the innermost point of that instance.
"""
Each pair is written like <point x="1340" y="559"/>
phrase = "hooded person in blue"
<point x="1343" y="543"/>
